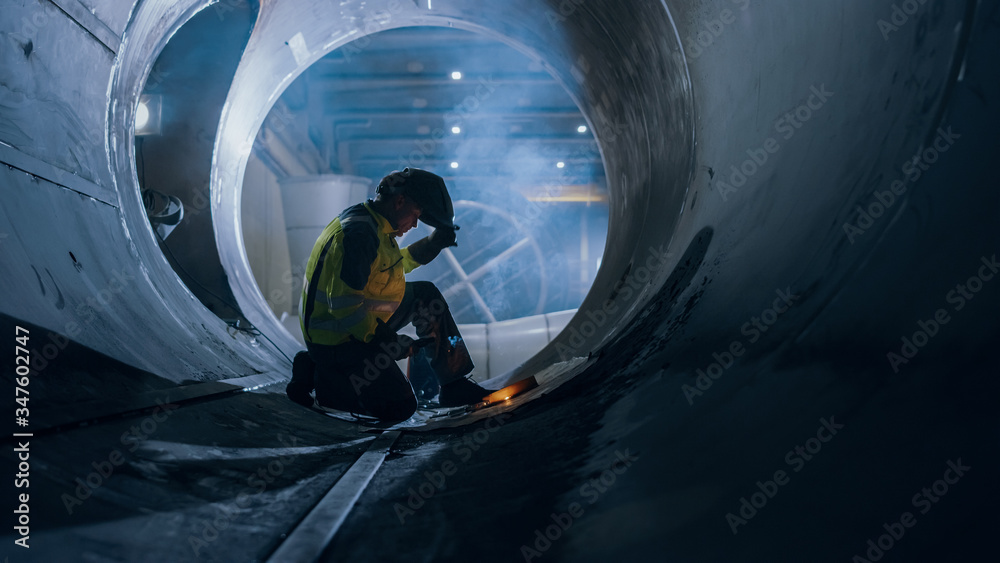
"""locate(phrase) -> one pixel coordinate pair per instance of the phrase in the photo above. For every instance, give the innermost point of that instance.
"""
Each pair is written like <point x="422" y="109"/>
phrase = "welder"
<point x="355" y="299"/>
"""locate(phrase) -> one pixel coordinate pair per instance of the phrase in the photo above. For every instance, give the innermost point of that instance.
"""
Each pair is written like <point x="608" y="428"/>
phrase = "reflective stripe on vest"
<point x="342" y="301"/>
<point x="332" y="309"/>
<point x="352" y="300"/>
<point x="334" y="303"/>
<point x="313" y="287"/>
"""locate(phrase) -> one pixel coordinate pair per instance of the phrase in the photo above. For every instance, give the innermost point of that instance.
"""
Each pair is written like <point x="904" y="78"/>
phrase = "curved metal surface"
<point x="734" y="164"/>
<point x="290" y="35"/>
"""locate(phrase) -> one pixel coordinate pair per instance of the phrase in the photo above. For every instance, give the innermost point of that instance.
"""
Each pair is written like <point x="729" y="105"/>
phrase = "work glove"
<point x="442" y="238"/>
<point x="428" y="248"/>
<point x="397" y="346"/>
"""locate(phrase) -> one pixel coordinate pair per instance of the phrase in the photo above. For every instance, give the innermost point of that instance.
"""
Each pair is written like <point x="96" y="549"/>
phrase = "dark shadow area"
<point x="68" y="376"/>
<point x="191" y="78"/>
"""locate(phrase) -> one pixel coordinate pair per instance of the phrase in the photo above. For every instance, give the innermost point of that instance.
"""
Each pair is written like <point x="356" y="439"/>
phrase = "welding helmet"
<point x="427" y="190"/>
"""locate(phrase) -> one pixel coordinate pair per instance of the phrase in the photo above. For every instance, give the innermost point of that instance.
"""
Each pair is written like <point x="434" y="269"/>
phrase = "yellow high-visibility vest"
<point x="332" y="311"/>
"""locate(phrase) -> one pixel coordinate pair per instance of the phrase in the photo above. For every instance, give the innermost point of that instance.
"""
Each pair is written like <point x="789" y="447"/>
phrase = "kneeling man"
<point x="355" y="299"/>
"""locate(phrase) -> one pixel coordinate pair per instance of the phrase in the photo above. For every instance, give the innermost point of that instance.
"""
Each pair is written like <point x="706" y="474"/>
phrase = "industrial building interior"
<point x="727" y="265"/>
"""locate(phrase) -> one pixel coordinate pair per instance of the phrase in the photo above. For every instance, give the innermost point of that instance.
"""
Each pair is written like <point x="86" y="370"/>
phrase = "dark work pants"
<point x="362" y="377"/>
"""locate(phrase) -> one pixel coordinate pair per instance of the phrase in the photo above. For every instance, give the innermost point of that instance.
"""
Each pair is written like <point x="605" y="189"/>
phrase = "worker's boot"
<point x="461" y="392"/>
<point x="301" y="385"/>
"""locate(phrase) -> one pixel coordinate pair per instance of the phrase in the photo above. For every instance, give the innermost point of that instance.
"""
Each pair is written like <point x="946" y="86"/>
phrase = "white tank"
<point x="310" y="203"/>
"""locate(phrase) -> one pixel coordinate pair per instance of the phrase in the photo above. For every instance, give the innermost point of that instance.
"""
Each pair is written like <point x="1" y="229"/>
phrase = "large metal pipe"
<point x="282" y="46"/>
<point x="632" y="83"/>
<point x="738" y="141"/>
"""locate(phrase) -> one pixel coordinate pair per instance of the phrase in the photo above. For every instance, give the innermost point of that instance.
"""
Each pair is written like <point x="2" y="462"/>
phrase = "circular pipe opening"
<point x="175" y="123"/>
<point x="647" y="148"/>
<point x="531" y="192"/>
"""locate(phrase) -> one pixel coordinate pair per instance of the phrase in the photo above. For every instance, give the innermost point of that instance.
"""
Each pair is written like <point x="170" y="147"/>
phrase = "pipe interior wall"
<point x="741" y="142"/>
